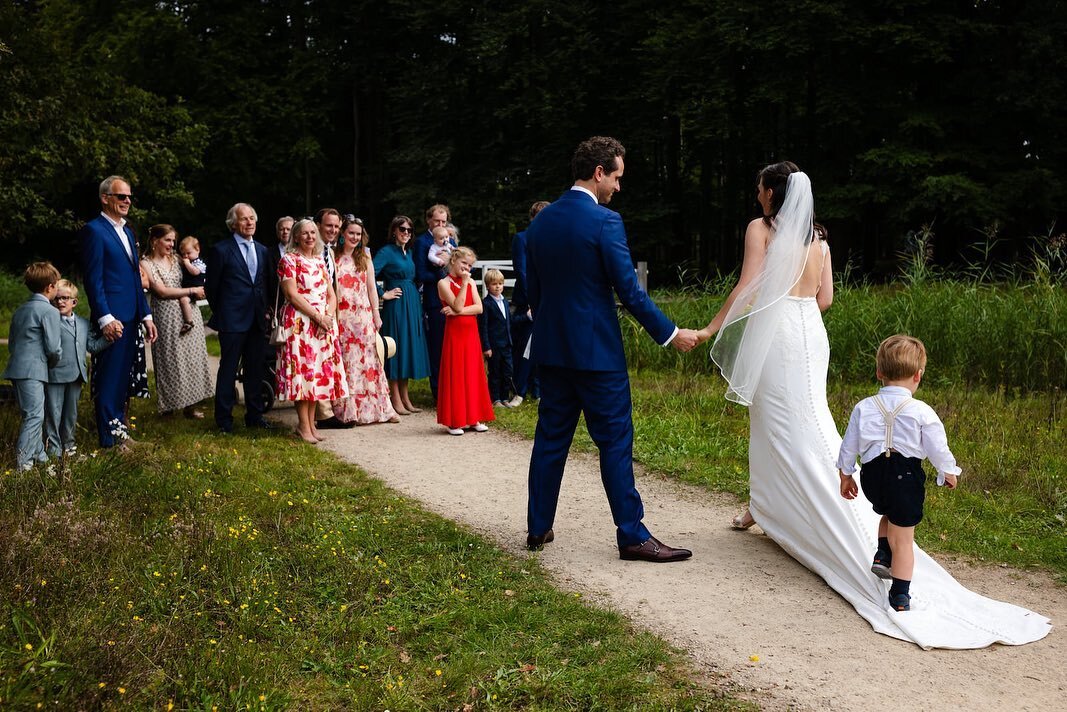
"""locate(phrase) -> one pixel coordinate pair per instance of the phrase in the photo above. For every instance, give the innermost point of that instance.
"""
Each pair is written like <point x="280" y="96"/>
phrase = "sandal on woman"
<point x="413" y="409"/>
<point x="186" y="328"/>
<point x="742" y="521"/>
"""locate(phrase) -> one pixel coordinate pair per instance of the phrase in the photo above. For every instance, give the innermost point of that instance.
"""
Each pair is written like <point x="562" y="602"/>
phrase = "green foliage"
<point x="70" y="118"/>
<point x="904" y="113"/>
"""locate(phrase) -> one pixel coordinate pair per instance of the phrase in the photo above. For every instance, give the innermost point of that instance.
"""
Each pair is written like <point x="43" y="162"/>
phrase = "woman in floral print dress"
<point x="309" y="362"/>
<point x="358" y="321"/>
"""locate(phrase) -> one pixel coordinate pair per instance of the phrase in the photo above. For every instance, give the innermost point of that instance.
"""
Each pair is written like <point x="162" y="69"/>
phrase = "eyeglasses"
<point x="63" y="299"/>
<point x="122" y="197"/>
<point x="349" y="217"/>
<point x="404" y="228"/>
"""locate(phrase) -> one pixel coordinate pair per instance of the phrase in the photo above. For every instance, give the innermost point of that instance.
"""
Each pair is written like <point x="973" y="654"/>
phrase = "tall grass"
<point x="998" y="335"/>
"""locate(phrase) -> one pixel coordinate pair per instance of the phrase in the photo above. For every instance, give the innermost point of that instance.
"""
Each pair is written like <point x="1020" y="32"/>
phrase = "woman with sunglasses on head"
<point x="401" y="314"/>
<point x="358" y="324"/>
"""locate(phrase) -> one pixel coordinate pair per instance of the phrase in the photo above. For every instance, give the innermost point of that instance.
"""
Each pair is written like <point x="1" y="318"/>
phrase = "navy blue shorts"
<point x="896" y="486"/>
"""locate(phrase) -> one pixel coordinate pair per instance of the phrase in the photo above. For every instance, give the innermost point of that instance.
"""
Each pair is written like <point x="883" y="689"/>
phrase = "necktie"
<point x="69" y="322"/>
<point x="250" y="258"/>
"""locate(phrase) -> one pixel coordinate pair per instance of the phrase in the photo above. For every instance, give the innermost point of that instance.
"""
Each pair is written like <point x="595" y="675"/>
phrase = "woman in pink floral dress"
<point x="309" y="362"/>
<point x="359" y="321"/>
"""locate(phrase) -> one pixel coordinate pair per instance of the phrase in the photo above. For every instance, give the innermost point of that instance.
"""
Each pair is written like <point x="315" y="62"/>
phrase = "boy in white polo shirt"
<point x="891" y="434"/>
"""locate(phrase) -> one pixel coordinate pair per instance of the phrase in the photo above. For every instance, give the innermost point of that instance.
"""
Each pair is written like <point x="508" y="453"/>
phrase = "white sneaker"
<point x="515" y="402"/>
<point x="455" y="431"/>
<point x="480" y="427"/>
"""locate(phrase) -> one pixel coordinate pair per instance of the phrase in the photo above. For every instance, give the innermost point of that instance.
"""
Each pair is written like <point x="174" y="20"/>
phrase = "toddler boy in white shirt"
<point x="891" y="434"/>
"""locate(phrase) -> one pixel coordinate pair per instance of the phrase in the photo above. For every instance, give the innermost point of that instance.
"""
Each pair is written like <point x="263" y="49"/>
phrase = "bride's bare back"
<point x="816" y="270"/>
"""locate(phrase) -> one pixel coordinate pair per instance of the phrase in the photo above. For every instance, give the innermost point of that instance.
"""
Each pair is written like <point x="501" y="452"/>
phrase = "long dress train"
<point x="795" y="499"/>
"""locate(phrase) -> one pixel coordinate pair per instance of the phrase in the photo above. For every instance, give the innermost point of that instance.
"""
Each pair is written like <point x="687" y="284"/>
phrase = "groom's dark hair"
<point x="593" y="152"/>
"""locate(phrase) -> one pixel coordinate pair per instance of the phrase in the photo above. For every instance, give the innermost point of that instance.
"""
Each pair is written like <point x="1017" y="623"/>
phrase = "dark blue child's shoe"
<point x="900" y="602"/>
<point x="882" y="566"/>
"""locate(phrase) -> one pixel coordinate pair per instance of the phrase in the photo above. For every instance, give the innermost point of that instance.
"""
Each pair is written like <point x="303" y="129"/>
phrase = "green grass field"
<point x="235" y="573"/>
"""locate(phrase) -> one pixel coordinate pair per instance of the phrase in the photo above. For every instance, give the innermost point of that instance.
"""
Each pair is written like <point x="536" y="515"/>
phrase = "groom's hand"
<point x="685" y="340"/>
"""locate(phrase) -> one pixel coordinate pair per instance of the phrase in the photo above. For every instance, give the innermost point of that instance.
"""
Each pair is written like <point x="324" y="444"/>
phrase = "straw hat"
<point x="385" y="346"/>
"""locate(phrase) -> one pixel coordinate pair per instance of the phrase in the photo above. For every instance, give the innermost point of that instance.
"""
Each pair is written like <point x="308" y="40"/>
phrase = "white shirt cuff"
<point x="668" y="341"/>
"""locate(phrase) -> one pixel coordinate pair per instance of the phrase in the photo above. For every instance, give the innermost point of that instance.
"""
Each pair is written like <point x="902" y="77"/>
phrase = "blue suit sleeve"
<point x="92" y="248"/>
<point x="619" y="267"/>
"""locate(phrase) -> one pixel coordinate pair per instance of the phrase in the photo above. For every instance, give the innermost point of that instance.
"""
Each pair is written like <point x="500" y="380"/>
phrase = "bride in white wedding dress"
<point x="772" y="349"/>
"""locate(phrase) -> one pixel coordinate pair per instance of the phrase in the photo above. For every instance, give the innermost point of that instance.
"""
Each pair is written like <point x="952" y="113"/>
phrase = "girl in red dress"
<point x="462" y="389"/>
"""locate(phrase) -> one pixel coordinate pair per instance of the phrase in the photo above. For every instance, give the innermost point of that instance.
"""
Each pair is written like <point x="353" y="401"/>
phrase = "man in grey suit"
<point x="34" y="345"/>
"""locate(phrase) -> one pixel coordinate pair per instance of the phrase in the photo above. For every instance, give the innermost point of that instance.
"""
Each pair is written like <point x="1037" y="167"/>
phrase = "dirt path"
<point x="740" y="596"/>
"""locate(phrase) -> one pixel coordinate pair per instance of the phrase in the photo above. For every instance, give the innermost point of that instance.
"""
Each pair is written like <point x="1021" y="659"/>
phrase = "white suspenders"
<point x="890" y="416"/>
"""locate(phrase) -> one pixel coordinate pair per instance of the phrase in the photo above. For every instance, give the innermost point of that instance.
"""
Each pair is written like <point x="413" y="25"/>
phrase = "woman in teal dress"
<point x="401" y="314"/>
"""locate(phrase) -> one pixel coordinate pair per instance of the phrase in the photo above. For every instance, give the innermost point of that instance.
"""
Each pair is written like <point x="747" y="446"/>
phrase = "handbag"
<point x="278" y="333"/>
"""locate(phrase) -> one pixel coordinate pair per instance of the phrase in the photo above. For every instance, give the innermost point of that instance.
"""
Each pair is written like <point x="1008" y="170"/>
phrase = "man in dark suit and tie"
<point x="578" y="260"/>
<point x="427" y="274"/>
<point x="236" y="288"/>
<point x="117" y="304"/>
<point x="521" y="320"/>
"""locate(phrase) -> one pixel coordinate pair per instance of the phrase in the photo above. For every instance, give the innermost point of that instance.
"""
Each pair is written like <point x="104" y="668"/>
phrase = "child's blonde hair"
<point x="900" y="356"/>
<point x="438" y="231"/>
<point x="494" y="276"/>
<point x="69" y="286"/>
<point x="187" y="242"/>
<point x="461" y="252"/>
<point x="39" y="275"/>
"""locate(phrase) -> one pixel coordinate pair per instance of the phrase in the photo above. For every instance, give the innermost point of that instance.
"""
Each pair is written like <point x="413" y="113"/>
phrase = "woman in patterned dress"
<point x="358" y="322"/>
<point x="179" y="359"/>
<point x="309" y="363"/>
<point x="402" y="314"/>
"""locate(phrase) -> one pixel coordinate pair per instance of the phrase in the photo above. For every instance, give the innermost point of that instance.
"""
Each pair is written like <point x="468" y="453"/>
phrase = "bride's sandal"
<point x="742" y="521"/>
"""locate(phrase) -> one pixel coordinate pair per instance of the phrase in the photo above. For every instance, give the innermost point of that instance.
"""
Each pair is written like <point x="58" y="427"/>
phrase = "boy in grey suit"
<point x="65" y="379"/>
<point x="34" y="344"/>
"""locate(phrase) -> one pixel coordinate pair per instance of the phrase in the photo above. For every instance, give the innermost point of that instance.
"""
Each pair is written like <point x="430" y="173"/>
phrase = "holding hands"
<point x="685" y="340"/>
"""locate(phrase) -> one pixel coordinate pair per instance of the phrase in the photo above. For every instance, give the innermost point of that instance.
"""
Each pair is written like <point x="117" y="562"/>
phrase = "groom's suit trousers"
<point x="604" y="398"/>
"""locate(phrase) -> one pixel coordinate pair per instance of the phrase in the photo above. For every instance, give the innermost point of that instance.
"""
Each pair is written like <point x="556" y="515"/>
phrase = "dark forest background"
<point x="906" y="113"/>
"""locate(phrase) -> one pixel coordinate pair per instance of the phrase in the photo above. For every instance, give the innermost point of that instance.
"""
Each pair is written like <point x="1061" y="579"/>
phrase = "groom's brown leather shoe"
<point x="536" y="543"/>
<point x="653" y="550"/>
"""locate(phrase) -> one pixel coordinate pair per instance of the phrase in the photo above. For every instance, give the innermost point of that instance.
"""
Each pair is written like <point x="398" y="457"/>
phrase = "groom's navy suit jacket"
<point x="577" y="262"/>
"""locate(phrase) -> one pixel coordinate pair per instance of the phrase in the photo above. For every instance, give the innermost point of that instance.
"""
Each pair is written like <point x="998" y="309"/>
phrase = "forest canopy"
<point x="906" y="113"/>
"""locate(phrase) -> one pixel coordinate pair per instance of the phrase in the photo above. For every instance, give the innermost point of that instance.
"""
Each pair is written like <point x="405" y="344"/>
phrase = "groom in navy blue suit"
<point x="578" y="260"/>
<point x="236" y="288"/>
<point x="117" y="303"/>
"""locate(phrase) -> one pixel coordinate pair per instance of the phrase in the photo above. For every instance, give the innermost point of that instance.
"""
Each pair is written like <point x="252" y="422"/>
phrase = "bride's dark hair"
<point x="774" y="178"/>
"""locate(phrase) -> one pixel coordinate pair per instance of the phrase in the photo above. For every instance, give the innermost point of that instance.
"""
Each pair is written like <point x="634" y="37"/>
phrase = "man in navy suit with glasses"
<point x="117" y="303"/>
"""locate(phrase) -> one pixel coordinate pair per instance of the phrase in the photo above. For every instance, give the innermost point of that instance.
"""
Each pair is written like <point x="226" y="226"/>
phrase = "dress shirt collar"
<point x="41" y="298"/>
<point x="587" y="192"/>
<point x="242" y="238"/>
<point x="117" y="225"/>
<point x="894" y="391"/>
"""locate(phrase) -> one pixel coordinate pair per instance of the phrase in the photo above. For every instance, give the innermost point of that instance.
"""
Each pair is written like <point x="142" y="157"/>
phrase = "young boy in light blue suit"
<point x="34" y="345"/>
<point x="65" y="379"/>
